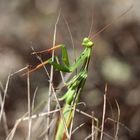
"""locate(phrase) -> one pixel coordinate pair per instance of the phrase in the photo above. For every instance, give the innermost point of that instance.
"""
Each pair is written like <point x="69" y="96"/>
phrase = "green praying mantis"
<point x="76" y="84"/>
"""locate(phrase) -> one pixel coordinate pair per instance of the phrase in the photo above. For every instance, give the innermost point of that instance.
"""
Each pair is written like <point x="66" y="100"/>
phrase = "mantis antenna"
<point x="112" y="22"/>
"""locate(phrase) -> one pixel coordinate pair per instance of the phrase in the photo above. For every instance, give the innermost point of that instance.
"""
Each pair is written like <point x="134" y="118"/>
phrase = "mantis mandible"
<point x="76" y="84"/>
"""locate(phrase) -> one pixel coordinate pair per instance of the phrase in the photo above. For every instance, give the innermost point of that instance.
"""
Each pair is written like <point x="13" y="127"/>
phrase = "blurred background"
<point x="115" y="59"/>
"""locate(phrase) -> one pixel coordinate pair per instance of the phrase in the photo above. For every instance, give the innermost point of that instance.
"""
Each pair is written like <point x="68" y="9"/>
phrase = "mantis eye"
<point x="85" y="39"/>
<point x="90" y="44"/>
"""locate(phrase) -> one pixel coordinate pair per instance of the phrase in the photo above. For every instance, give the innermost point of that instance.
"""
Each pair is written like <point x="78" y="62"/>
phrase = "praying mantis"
<point x="76" y="84"/>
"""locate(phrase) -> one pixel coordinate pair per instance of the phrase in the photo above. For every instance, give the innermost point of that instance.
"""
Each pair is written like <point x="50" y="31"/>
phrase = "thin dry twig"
<point x="51" y="90"/>
<point x="39" y="58"/>
<point x="12" y="133"/>
<point x="78" y="127"/>
<point x="29" y="107"/>
<point x="121" y="124"/>
<point x="24" y="118"/>
<point x="4" y="118"/>
<point x="104" y="111"/>
<point x="111" y="110"/>
<point x="20" y="70"/>
<point x="35" y="116"/>
<point x="3" y="100"/>
<point x="51" y="78"/>
<point x="98" y="129"/>
<point x="118" y="120"/>
<point x="92" y="127"/>
<point x="33" y="101"/>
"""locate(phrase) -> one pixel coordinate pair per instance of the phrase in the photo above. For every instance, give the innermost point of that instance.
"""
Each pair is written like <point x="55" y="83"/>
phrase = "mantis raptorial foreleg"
<point x="66" y="67"/>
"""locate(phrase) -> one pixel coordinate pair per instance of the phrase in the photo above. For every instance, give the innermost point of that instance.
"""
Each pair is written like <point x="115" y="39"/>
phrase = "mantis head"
<point x="87" y="42"/>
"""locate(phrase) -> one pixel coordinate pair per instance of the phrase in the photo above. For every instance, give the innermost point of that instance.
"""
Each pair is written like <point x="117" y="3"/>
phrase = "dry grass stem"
<point x="104" y="111"/>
